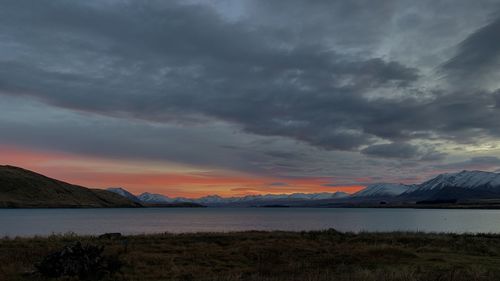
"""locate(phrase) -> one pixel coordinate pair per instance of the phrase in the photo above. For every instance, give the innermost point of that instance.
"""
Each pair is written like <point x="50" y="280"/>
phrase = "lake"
<point x="29" y="222"/>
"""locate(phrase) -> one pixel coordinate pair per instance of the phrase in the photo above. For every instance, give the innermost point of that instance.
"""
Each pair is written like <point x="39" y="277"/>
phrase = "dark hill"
<point x="20" y="188"/>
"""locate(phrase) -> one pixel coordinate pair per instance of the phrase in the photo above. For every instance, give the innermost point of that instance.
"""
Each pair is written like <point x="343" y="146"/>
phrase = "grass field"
<point x="283" y="256"/>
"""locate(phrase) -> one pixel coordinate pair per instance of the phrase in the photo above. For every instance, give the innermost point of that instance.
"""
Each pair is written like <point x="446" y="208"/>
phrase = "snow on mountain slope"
<point x="211" y="199"/>
<point x="295" y="196"/>
<point x="124" y="193"/>
<point x="463" y="179"/>
<point x="217" y="200"/>
<point x="382" y="189"/>
<point x="328" y="195"/>
<point x="462" y="185"/>
<point x="154" y="198"/>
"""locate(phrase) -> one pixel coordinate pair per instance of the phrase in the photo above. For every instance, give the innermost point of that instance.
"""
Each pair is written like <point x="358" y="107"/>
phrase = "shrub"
<point x="76" y="260"/>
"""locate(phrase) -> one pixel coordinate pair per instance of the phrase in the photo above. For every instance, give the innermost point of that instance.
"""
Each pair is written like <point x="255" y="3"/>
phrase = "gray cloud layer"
<point x="329" y="74"/>
<point x="478" y="56"/>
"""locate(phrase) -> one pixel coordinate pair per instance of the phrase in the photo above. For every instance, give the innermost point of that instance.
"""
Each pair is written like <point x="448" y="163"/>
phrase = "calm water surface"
<point x="29" y="222"/>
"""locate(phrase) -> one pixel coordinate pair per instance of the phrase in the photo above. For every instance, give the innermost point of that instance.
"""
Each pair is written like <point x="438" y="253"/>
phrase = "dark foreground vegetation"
<point x="280" y="256"/>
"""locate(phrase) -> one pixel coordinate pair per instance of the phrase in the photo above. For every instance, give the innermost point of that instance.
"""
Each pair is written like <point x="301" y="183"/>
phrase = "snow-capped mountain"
<point x="328" y="195"/>
<point x="154" y="198"/>
<point x="124" y="193"/>
<point x="463" y="179"/>
<point x="217" y="200"/>
<point x="383" y="190"/>
<point x="295" y="196"/>
<point x="462" y="185"/>
<point x="213" y="200"/>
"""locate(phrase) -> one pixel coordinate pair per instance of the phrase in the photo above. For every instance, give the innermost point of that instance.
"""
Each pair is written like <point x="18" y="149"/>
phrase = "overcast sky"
<point x="249" y="96"/>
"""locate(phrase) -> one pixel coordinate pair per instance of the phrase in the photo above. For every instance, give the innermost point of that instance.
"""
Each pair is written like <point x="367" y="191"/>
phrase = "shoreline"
<point x="75" y="235"/>
<point x="412" y="206"/>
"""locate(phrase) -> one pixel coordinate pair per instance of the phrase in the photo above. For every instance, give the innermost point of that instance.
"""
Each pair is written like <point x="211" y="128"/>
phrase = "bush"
<point x="76" y="260"/>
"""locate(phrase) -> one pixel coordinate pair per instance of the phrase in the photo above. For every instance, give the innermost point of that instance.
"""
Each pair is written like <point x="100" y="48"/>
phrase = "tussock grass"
<point x="277" y="256"/>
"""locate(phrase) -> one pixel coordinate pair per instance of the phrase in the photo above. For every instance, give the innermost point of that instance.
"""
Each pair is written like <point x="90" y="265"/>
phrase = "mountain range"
<point x="464" y="185"/>
<point x="383" y="190"/>
<point x="249" y="200"/>
<point x="20" y="188"/>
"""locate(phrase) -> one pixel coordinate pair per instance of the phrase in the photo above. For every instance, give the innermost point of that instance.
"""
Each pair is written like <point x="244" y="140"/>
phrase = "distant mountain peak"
<point x="461" y="185"/>
<point x="118" y="189"/>
<point x="463" y="179"/>
<point x="382" y="190"/>
<point x="148" y="197"/>
<point x="123" y="192"/>
<point x="445" y="183"/>
<point x="154" y="198"/>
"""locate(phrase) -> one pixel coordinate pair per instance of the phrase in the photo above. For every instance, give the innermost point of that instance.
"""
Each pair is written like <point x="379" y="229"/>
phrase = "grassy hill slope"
<point x="20" y="188"/>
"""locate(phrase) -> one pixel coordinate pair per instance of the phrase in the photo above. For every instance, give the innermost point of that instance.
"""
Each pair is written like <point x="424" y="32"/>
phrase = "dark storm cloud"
<point x="478" y="163"/>
<point x="478" y="54"/>
<point x="402" y="151"/>
<point x="39" y="126"/>
<point x="187" y="64"/>
<point x="392" y="150"/>
<point x="183" y="62"/>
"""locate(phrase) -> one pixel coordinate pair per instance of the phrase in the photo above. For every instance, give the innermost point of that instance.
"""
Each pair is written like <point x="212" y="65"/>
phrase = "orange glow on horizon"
<point x="165" y="178"/>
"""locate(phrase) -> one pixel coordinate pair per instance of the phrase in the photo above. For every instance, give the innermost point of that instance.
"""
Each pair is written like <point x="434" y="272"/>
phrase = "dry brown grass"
<point x="278" y="256"/>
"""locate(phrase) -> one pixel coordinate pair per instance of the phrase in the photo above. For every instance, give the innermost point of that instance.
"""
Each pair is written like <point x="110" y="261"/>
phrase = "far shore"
<point x="494" y="206"/>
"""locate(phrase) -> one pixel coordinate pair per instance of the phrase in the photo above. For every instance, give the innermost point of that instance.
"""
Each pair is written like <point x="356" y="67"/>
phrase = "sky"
<point x="236" y="97"/>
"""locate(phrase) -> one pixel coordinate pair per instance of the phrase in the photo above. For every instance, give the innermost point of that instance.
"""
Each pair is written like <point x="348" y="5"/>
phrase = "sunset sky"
<point x="235" y="97"/>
